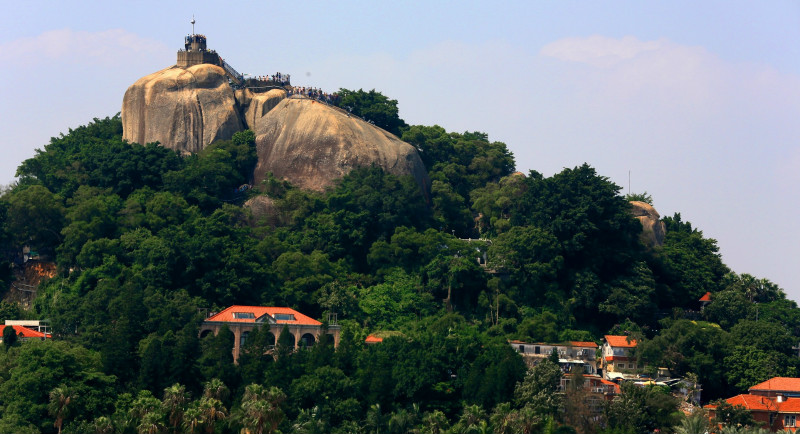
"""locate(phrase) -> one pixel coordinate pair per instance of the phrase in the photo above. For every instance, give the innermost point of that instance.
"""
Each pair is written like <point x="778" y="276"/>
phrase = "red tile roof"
<point x="620" y="341"/>
<point x="762" y="403"/>
<point x="583" y="344"/>
<point x="373" y="339"/>
<point x="227" y="315"/>
<point x="706" y="297"/>
<point x="614" y="358"/>
<point x="778" y="384"/>
<point x="25" y="332"/>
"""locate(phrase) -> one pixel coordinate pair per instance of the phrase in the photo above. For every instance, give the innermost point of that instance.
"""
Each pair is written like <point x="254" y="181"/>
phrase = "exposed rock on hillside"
<point x="184" y="109"/>
<point x="255" y="106"/>
<point x="653" y="229"/>
<point x="311" y="144"/>
<point x="303" y="141"/>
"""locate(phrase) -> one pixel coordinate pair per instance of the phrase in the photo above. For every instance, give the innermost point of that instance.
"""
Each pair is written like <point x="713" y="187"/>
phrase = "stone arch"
<point x="307" y="340"/>
<point x="271" y="339"/>
<point x="243" y="338"/>
<point x="205" y="333"/>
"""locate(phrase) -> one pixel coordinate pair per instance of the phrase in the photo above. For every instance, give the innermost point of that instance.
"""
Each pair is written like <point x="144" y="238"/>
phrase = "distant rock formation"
<point x="183" y="108"/>
<point x="311" y="144"/>
<point x="653" y="229"/>
<point x="306" y="142"/>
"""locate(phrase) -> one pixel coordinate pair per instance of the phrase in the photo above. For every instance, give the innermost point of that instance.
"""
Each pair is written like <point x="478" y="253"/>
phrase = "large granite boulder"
<point x="306" y="142"/>
<point x="653" y="229"/>
<point x="311" y="144"/>
<point x="183" y="108"/>
<point x="254" y="106"/>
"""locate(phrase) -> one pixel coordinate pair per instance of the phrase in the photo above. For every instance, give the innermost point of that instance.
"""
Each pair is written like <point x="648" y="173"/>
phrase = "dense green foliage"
<point x="145" y="239"/>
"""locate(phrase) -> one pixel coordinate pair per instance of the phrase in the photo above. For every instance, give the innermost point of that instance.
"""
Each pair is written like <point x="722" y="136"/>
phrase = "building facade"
<point x="618" y="357"/>
<point x="570" y="354"/>
<point x="242" y="320"/>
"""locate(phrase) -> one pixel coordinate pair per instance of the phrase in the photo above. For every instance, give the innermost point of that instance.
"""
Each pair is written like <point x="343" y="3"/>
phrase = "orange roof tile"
<point x="25" y="332"/>
<point x="620" y="341"/>
<point x="778" y="384"/>
<point x="706" y="297"/>
<point x="258" y="312"/>
<point x="762" y="403"/>
<point x="583" y="344"/>
<point x="373" y="339"/>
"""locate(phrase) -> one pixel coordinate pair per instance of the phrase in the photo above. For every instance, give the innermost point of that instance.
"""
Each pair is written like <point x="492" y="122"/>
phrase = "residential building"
<point x="570" y="354"/>
<point x="242" y="320"/>
<point x="775" y="402"/>
<point x="618" y="358"/>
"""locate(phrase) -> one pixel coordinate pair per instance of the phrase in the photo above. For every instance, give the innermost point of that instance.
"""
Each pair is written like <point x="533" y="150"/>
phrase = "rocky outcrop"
<point x="311" y="144"/>
<point x="653" y="229"/>
<point x="182" y="108"/>
<point x="306" y="142"/>
<point x="254" y="106"/>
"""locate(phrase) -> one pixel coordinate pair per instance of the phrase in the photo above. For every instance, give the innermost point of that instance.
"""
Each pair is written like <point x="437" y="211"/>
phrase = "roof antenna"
<point x="192" y="23"/>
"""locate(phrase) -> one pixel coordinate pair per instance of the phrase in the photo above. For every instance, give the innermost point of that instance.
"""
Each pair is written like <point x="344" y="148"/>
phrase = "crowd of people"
<point x="277" y="78"/>
<point x="315" y="93"/>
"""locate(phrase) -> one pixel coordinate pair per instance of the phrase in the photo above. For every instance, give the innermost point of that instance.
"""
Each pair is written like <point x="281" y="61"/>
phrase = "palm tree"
<point x="470" y="419"/>
<point x="434" y="423"/>
<point x="152" y="423"/>
<point x="103" y="425"/>
<point x="215" y="388"/>
<point x="502" y="419"/>
<point x="401" y="422"/>
<point x="526" y="421"/>
<point x="212" y="411"/>
<point x="375" y="418"/>
<point x="694" y="424"/>
<point x="60" y="398"/>
<point x="175" y="398"/>
<point x="192" y="419"/>
<point x="261" y="408"/>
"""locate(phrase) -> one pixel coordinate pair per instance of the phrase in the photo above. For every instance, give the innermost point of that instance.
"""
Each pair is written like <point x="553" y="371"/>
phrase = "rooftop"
<point x="25" y="332"/>
<point x="262" y="314"/>
<point x="778" y="384"/>
<point x="620" y="341"/>
<point x="762" y="403"/>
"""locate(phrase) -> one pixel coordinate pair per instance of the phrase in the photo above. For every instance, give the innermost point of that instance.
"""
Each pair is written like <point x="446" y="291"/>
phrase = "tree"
<point x="539" y="389"/>
<point x="36" y="216"/>
<point x="211" y="411"/>
<point x="9" y="337"/>
<point x="175" y="399"/>
<point x="641" y="409"/>
<point x="60" y="399"/>
<point x="261" y="409"/>
<point x="373" y="107"/>
<point x="732" y="415"/>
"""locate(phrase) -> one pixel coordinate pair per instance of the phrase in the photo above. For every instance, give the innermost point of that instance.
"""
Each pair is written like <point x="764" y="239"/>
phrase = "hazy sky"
<point x="698" y="101"/>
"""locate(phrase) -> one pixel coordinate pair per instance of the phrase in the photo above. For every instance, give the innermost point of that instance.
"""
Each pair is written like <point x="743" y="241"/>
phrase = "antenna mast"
<point x="192" y="23"/>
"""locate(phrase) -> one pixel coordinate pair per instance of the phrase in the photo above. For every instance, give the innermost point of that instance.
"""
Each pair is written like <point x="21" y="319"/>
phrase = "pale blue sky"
<point x="700" y="101"/>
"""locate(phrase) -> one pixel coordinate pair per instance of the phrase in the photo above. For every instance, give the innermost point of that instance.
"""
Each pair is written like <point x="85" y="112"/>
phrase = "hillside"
<point x="146" y="239"/>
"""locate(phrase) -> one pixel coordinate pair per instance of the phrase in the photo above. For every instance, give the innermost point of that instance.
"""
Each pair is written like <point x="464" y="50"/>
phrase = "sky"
<point x="696" y="103"/>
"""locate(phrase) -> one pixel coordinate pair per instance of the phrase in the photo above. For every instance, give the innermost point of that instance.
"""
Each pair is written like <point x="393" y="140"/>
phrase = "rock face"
<point x="311" y="144"/>
<point x="653" y="229"/>
<point x="306" y="142"/>
<point x="183" y="108"/>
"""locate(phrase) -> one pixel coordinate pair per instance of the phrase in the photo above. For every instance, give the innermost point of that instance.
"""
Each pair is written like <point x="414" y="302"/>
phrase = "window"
<point x="621" y="366"/>
<point x="243" y="338"/>
<point x="537" y="350"/>
<point x="522" y="348"/>
<point x="789" y="420"/>
<point x="284" y="317"/>
<point x="244" y="315"/>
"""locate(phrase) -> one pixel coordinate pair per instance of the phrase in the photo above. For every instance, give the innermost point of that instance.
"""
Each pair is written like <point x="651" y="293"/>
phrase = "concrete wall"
<point x="190" y="58"/>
